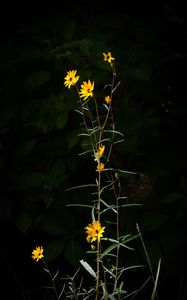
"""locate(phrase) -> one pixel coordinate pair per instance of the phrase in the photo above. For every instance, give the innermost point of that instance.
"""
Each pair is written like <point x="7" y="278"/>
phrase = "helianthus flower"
<point x="99" y="153"/>
<point x="94" y="231"/>
<point x="37" y="253"/>
<point x="107" y="99"/>
<point x="71" y="78"/>
<point x="100" y="167"/>
<point x="108" y="57"/>
<point x="87" y="89"/>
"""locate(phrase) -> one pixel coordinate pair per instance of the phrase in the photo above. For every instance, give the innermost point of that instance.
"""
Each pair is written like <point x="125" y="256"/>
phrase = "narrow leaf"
<point x="88" y="268"/>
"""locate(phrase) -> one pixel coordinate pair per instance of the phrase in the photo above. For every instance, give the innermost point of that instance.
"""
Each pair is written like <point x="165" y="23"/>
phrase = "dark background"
<point x="39" y="143"/>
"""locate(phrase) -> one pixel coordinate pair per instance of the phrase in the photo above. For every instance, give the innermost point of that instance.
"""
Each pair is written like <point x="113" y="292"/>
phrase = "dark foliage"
<point x="39" y="145"/>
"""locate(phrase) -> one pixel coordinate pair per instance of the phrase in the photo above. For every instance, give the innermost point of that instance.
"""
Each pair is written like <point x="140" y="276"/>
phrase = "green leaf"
<point x="54" y="249"/>
<point x="85" y="46"/>
<point x="116" y="244"/>
<point x="42" y="126"/>
<point x="155" y="172"/>
<point x="103" y="65"/>
<point x="69" y="30"/>
<point x="73" y="252"/>
<point x="156" y="280"/>
<point x="124" y="172"/>
<point x="109" y="249"/>
<point x="54" y="225"/>
<point x="140" y="73"/>
<point x="30" y="110"/>
<point x="72" y="139"/>
<point x="82" y="186"/>
<point x="80" y="205"/>
<point x="37" y="78"/>
<point x="23" y="222"/>
<point x="57" y="220"/>
<point x="25" y="148"/>
<point x="71" y="44"/>
<point x="31" y="179"/>
<point x="88" y="268"/>
<point x="154" y="252"/>
<point x="172" y="197"/>
<point x="152" y="220"/>
<point x="62" y="120"/>
<point x="57" y="171"/>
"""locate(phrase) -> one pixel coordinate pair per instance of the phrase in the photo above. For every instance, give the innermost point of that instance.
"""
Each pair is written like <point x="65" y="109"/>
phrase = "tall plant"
<point x="103" y="233"/>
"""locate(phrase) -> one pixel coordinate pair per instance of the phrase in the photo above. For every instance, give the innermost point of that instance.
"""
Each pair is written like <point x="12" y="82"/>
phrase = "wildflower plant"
<point x="39" y="254"/>
<point x="99" y="130"/>
<point x="106" y="243"/>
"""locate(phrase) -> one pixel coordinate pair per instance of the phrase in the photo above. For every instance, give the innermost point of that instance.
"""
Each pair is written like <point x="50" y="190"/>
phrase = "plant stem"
<point x="98" y="242"/>
<point x="52" y="280"/>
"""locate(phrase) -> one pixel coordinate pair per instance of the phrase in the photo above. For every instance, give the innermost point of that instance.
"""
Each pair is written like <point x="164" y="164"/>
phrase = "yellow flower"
<point x="101" y="150"/>
<point x="100" y="167"/>
<point x="108" y="57"/>
<point x="71" y="78"/>
<point x="94" y="231"/>
<point x="107" y="99"/>
<point x="37" y="253"/>
<point x="99" y="153"/>
<point x="87" y="89"/>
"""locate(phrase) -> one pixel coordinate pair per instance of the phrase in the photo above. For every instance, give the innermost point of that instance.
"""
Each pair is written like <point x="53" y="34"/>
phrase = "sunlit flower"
<point x="71" y="78"/>
<point x="99" y="153"/>
<point x="37" y="253"/>
<point x="107" y="99"/>
<point x="87" y="89"/>
<point x="94" y="231"/>
<point x="100" y="167"/>
<point x="108" y="57"/>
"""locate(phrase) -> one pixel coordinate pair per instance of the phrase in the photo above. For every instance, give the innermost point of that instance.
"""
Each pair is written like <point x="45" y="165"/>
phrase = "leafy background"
<point x="39" y="142"/>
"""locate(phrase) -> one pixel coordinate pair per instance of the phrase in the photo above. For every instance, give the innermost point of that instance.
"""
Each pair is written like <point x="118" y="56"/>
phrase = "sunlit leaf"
<point x="88" y="268"/>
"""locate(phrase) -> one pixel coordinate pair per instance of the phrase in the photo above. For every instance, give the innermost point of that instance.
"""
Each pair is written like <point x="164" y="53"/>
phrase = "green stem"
<point x="51" y="278"/>
<point x="98" y="242"/>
